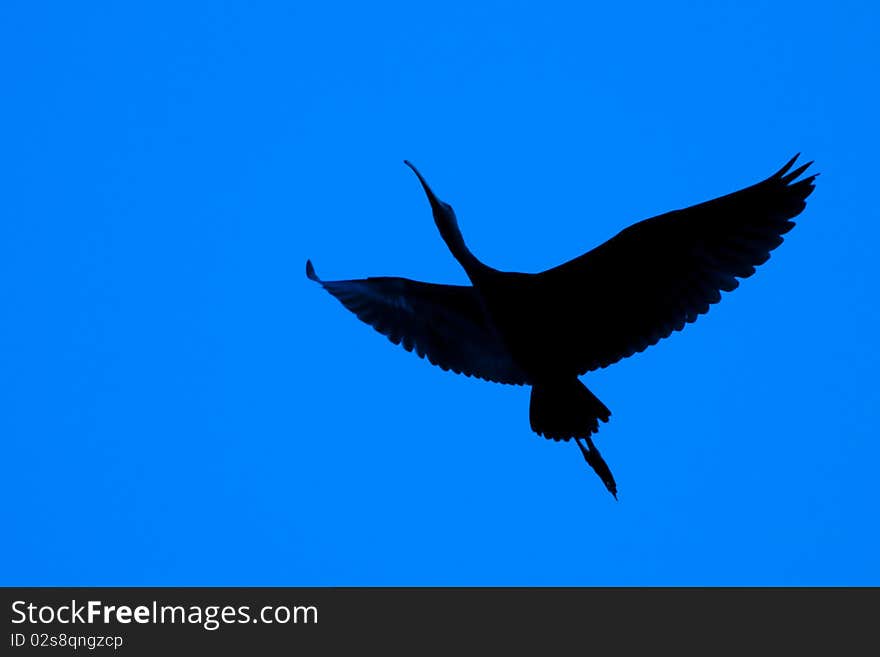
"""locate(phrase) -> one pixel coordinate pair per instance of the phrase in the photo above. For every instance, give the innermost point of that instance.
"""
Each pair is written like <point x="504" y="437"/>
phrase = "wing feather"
<point x="443" y="323"/>
<point x="660" y="274"/>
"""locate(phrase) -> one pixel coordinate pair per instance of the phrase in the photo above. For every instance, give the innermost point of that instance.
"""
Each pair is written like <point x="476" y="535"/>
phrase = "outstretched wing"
<point x="662" y="273"/>
<point x="444" y="323"/>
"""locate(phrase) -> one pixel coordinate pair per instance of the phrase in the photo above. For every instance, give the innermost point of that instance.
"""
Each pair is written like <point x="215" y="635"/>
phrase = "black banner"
<point x="287" y="621"/>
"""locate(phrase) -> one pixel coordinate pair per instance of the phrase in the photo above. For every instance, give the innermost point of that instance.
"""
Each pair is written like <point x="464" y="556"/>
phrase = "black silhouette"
<point x="546" y="329"/>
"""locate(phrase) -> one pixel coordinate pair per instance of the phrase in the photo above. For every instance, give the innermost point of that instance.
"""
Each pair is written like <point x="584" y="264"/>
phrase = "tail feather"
<point x="567" y="409"/>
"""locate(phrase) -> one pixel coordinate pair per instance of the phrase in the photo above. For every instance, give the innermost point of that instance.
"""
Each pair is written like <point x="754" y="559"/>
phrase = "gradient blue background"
<point x="181" y="406"/>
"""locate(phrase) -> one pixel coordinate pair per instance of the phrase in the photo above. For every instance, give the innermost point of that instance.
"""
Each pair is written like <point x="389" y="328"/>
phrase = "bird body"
<point x="547" y="329"/>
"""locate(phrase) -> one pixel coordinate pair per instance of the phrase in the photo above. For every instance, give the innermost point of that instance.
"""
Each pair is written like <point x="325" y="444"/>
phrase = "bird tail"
<point x="566" y="409"/>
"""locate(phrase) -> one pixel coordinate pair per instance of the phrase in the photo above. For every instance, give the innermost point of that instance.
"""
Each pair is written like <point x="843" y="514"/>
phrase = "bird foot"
<point x="594" y="460"/>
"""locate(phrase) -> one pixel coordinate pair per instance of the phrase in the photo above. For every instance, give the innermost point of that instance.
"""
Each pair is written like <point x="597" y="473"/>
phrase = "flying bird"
<point x="545" y="330"/>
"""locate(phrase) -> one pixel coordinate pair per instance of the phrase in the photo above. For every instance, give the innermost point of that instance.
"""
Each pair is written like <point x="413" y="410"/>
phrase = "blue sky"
<point x="182" y="407"/>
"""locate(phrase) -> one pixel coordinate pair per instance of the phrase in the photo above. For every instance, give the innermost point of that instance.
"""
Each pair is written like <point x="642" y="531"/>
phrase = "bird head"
<point x="444" y="215"/>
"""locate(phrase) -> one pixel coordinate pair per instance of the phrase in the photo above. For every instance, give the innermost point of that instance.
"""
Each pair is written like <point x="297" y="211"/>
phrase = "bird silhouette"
<point x="547" y="329"/>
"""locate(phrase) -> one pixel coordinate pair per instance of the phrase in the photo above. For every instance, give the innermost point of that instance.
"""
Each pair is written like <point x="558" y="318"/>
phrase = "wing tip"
<point x="310" y="272"/>
<point x="787" y="166"/>
<point x="788" y="178"/>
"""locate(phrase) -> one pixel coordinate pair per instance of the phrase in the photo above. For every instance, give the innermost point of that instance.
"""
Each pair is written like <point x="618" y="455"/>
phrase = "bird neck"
<point x="451" y="234"/>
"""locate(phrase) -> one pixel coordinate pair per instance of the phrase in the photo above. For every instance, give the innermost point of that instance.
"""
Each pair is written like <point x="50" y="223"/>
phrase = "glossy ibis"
<point x="545" y="330"/>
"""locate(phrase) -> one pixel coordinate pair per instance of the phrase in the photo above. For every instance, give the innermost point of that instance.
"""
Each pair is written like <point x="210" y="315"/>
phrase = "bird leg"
<point x="595" y="461"/>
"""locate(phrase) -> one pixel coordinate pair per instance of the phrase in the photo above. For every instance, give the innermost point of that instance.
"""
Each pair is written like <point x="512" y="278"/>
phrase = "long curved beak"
<point x="432" y="198"/>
